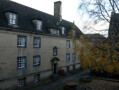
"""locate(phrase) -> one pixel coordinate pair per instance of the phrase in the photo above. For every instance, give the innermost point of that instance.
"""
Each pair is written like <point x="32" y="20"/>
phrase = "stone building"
<point x="96" y="38"/>
<point x="113" y="33"/>
<point x="34" y="44"/>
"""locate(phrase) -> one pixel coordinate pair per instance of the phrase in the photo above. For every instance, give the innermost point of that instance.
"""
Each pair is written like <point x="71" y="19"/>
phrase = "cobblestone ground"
<point x="102" y="85"/>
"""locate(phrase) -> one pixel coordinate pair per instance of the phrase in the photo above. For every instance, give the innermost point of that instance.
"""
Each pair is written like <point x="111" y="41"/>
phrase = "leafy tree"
<point x="102" y="58"/>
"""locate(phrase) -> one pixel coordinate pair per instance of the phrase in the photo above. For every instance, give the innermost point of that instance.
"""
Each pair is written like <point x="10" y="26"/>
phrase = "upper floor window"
<point x="68" y="44"/>
<point x="21" y="62"/>
<point x="63" y="30"/>
<point x="68" y="57"/>
<point x="36" y="60"/>
<point x="21" y="41"/>
<point x="73" y="56"/>
<point x="55" y="51"/>
<point x="39" y="25"/>
<point x="12" y="19"/>
<point x="54" y="32"/>
<point x="37" y="42"/>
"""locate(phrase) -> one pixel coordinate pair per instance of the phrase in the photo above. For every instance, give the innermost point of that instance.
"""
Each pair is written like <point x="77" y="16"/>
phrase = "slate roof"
<point x="25" y="17"/>
<point x="95" y="36"/>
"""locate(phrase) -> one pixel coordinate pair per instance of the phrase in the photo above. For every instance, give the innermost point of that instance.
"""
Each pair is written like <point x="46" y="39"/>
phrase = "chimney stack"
<point x="58" y="10"/>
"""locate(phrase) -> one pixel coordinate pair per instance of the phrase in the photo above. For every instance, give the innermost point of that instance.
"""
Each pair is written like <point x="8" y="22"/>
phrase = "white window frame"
<point x="37" y="42"/>
<point x="54" y="32"/>
<point x="36" y="60"/>
<point x="39" y="25"/>
<point x="12" y="19"/>
<point x="63" y="30"/>
<point x="21" y="41"/>
<point x="68" y="57"/>
<point x="21" y="62"/>
<point x="67" y="43"/>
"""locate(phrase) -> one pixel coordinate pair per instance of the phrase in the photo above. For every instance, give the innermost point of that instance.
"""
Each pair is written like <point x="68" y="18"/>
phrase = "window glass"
<point x="67" y="57"/>
<point x="21" y="82"/>
<point x="21" y="62"/>
<point x="21" y="41"/>
<point x="55" y="51"/>
<point x="63" y="30"/>
<point x="37" y="42"/>
<point x="67" y="44"/>
<point x="12" y="19"/>
<point x="36" y="78"/>
<point x="36" y="60"/>
<point x="73" y="56"/>
<point x="39" y="25"/>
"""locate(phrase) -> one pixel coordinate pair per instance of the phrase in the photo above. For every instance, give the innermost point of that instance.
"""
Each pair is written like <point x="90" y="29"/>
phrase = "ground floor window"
<point x="21" y="82"/>
<point x="67" y="69"/>
<point x="37" y="78"/>
<point x="73" y="67"/>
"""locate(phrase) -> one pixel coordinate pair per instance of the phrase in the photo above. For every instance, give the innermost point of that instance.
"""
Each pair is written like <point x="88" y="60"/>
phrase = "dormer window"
<point x="63" y="30"/>
<point x="74" y="32"/>
<point x="39" y="25"/>
<point x="54" y="32"/>
<point x="12" y="19"/>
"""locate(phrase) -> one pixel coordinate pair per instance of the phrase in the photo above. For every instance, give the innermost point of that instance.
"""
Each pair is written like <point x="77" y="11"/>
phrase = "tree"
<point x="101" y="58"/>
<point x="98" y="11"/>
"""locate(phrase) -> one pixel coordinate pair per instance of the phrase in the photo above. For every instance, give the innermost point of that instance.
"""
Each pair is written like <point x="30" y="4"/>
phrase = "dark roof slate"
<point x="26" y="15"/>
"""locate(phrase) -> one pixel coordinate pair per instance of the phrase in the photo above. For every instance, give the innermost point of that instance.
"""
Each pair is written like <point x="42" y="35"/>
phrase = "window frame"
<point x="13" y="17"/>
<point x="55" y="52"/>
<point x="67" y="54"/>
<point x="22" y="81"/>
<point x="73" y="59"/>
<point x="73" y="67"/>
<point x="63" y="31"/>
<point x="25" y="43"/>
<point x="37" y="42"/>
<point x="37" y="78"/>
<point x="39" y="25"/>
<point x="21" y="66"/>
<point x="34" y="62"/>
<point x="67" y="44"/>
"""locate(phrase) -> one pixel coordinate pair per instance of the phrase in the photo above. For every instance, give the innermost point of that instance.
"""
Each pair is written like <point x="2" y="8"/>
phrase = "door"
<point x="55" y="68"/>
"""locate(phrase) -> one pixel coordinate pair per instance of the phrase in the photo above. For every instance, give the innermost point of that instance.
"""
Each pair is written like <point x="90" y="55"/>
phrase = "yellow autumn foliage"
<point x="101" y="58"/>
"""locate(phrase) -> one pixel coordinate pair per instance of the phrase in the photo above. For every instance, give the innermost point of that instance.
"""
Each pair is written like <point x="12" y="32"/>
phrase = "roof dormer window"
<point x="12" y="19"/>
<point x="63" y="30"/>
<point x="39" y="25"/>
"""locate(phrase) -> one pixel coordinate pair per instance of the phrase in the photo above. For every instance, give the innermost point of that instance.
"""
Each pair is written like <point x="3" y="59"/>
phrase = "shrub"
<point x="62" y="72"/>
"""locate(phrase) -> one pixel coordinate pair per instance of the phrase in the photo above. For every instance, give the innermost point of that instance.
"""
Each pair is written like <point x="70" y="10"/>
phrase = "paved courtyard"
<point x="55" y="84"/>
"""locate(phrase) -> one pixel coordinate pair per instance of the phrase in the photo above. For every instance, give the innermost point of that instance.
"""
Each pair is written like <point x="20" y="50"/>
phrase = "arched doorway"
<point x="54" y="62"/>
